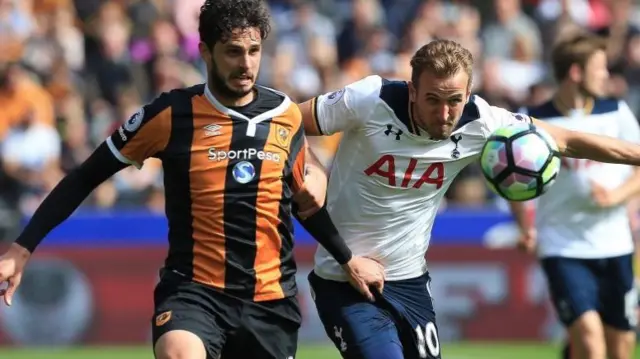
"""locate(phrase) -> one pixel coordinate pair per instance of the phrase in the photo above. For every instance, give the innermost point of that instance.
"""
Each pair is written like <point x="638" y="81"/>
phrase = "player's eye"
<point x="455" y="101"/>
<point x="234" y="52"/>
<point x="433" y="100"/>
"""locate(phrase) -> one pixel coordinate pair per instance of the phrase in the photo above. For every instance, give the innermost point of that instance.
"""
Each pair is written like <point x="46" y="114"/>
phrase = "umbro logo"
<point x="212" y="130"/>
<point x="398" y="132"/>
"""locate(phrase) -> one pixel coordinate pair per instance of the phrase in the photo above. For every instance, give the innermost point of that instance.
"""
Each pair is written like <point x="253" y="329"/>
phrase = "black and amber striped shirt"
<point x="229" y="176"/>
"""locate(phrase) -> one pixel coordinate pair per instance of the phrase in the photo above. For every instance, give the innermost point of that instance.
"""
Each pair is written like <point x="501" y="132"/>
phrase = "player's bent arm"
<point x="321" y="227"/>
<point x="309" y="118"/>
<point x="629" y="189"/>
<point x="313" y="191"/>
<point x="67" y="196"/>
<point x="312" y="160"/>
<point x="319" y="223"/>
<point x="314" y="168"/>
<point x="594" y="147"/>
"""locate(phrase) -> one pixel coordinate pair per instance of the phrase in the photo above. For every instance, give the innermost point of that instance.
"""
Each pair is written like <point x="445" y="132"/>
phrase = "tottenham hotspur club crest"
<point x="455" y="139"/>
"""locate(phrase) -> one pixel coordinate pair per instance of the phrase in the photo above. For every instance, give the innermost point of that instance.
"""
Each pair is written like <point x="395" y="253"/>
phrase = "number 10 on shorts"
<point x="428" y="340"/>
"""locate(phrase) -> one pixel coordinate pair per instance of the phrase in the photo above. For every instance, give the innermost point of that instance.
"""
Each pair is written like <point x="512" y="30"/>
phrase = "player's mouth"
<point x="242" y="81"/>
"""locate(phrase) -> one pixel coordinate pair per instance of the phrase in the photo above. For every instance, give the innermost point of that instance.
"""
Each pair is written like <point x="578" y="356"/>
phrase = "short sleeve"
<point x="628" y="124"/>
<point x="495" y="117"/>
<point x="144" y="134"/>
<point x="346" y="108"/>
<point x="297" y="150"/>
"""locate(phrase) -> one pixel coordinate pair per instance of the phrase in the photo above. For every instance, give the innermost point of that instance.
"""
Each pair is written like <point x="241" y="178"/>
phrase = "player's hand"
<point x="603" y="197"/>
<point x="311" y="196"/>
<point x="11" y="267"/>
<point x="528" y="240"/>
<point x="364" y="274"/>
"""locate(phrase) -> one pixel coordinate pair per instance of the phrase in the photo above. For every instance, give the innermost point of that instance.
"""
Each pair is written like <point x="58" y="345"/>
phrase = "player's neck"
<point x="233" y="101"/>
<point x="569" y="99"/>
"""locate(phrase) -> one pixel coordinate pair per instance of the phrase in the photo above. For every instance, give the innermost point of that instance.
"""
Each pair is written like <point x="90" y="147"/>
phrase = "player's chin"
<point x="441" y="133"/>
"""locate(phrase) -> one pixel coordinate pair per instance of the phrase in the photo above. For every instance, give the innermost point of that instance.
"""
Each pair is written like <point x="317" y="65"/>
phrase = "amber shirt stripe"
<point x="270" y="198"/>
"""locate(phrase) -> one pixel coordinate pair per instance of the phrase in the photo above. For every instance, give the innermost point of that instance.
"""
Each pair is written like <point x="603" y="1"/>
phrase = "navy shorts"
<point x="603" y="285"/>
<point x="401" y="323"/>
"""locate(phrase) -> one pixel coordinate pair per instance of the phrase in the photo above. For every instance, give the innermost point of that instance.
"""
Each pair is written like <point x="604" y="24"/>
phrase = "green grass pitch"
<point x="449" y="351"/>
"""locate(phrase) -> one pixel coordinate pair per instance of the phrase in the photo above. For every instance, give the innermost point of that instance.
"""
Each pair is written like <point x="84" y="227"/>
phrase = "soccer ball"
<point x="520" y="161"/>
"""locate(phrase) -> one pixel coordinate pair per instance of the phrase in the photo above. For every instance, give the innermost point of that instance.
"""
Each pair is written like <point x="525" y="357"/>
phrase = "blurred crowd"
<point x="72" y="70"/>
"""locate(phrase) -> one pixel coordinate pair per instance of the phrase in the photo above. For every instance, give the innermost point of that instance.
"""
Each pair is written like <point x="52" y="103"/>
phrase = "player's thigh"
<point x="587" y="336"/>
<point x="411" y="306"/>
<point x="269" y="330"/>
<point x="620" y="344"/>
<point x="179" y="344"/>
<point x="184" y="311"/>
<point x="618" y="295"/>
<point x="359" y="329"/>
<point x="573" y="286"/>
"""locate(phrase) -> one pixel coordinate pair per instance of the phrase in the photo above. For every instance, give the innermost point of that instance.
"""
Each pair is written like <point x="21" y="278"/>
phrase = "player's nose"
<point x="443" y="113"/>
<point x="245" y="62"/>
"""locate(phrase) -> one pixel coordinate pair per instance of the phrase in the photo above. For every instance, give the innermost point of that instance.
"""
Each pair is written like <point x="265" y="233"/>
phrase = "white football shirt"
<point x="568" y="221"/>
<point x="388" y="176"/>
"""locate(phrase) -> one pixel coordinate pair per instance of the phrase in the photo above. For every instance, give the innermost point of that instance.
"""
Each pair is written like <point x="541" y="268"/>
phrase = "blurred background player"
<point x="402" y="144"/>
<point x="582" y="231"/>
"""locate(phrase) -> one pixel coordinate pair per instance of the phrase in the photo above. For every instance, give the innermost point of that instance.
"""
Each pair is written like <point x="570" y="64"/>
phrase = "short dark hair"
<point x="575" y="49"/>
<point x="443" y="58"/>
<point x="219" y="18"/>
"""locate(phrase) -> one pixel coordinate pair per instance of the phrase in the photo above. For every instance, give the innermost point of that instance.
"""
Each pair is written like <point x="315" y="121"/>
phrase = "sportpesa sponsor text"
<point x="245" y="154"/>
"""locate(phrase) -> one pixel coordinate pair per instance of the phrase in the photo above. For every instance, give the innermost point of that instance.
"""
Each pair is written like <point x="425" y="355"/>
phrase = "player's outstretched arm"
<point x="145" y="134"/>
<point x="65" y="198"/>
<point x="594" y="147"/>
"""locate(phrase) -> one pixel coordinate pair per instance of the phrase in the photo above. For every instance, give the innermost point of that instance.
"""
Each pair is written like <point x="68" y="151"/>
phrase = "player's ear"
<point x="413" y="93"/>
<point x="575" y="73"/>
<point x="205" y="53"/>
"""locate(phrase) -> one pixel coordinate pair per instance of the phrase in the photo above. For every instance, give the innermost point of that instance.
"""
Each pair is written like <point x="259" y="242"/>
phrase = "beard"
<point x="436" y="133"/>
<point x="219" y="83"/>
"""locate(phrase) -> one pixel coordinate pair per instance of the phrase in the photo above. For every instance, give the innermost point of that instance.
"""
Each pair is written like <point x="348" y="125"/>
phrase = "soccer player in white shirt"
<point x="582" y="226"/>
<point x="402" y="145"/>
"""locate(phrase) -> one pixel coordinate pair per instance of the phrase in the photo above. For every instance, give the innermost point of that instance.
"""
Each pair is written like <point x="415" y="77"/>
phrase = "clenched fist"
<point x="12" y="265"/>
